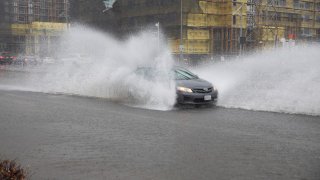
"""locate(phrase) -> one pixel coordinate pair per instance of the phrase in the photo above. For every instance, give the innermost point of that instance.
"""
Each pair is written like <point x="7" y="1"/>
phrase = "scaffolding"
<point x="32" y="25"/>
<point x="223" y="27"/>
<point x="275" y="20"/>
<point x="213" y="29"/>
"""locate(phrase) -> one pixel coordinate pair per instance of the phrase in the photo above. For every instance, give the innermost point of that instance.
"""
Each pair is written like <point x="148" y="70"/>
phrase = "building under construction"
<point x="31" y="26"/>
<point x="209" y="28"/>
<point x="278" y="21"/>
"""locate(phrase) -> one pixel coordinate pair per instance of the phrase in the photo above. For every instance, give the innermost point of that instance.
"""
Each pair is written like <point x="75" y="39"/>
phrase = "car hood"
<point x="194" y="83"/>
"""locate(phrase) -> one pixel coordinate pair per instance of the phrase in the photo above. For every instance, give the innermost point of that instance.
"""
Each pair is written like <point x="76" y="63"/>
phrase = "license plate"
<point x="207" y="97"/>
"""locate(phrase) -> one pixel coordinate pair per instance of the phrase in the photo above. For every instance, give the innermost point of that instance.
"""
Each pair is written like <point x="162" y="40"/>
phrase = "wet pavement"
<point x="70" y="137"/>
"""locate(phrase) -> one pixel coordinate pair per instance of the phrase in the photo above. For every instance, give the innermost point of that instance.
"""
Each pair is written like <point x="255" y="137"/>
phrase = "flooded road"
<point x="71" y="137"/>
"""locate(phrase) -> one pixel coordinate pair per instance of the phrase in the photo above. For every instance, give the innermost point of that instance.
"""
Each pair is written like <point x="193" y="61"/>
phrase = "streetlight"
<point x="158" y="26"/>
<point x="181" y="31"/>
<point x="241" y="39"/>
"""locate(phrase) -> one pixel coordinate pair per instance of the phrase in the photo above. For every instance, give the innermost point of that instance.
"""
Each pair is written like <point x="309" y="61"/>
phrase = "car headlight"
<point x="184" y="89"/>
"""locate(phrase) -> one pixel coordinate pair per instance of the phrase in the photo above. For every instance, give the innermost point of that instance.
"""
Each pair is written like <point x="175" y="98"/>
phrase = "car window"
<point x="181" y="74"/>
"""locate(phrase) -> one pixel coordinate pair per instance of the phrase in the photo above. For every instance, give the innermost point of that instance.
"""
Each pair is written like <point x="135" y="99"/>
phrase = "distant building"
<point x="32" y="26"/>
<point x="211" y="28"/>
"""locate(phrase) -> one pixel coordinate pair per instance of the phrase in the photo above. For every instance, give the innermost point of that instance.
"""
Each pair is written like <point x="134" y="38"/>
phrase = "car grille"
<point x="202" y="90"/>
<point x="198" y="100"/>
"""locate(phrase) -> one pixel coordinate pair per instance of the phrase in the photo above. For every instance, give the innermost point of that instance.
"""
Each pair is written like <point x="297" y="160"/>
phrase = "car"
<point x="190" y="89"/>
<point x="193" y="90"/>
<point x="19" y="60"/>
<point x="6" y="58"/>
<point x="32" y="60"/>
<point x="26" y="60"/>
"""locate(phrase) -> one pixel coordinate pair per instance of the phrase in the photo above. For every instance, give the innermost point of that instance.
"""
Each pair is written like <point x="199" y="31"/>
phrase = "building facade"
<point x="32" y="26"/>
<point x="222" y="27"/>
<point x="286" y="20"/>
<point x="207" y="28"/>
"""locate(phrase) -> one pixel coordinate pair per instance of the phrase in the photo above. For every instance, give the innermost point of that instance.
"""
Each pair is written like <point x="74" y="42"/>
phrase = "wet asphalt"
<point x="70" y="137"/>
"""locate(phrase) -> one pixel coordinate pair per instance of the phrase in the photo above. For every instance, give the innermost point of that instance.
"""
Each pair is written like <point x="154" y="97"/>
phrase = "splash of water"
<point x="283" y="80"/>
<point x="104" y="67"/>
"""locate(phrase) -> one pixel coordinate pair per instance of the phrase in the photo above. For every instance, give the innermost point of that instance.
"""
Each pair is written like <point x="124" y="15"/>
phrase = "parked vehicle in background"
<point x="32" y="60"/>
<point x="19" y="61"/>
<point x="26" y="60"/>
<point x="7" y="58"/>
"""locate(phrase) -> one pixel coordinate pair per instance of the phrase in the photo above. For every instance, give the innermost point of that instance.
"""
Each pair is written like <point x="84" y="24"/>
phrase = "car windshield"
<point x="183" y="74"/>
